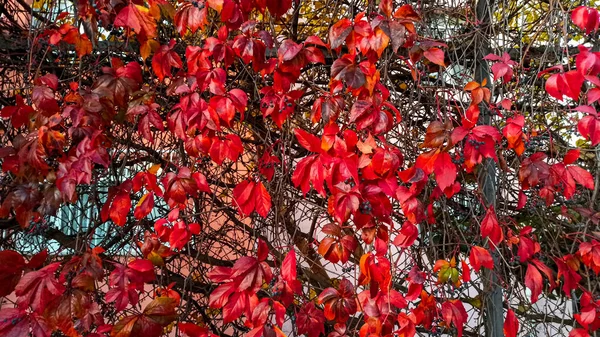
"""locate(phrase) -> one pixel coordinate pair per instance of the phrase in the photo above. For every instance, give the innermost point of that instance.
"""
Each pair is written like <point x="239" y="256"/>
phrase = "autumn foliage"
<point x="232" y="175"/>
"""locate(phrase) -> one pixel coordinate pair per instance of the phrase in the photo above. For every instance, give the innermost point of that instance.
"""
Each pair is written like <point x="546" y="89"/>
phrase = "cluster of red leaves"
<point x="359" y="172"/>
<point x="60" y="296"/>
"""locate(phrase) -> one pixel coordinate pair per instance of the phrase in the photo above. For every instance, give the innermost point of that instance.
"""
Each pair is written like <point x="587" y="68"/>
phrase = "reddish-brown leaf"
<point x="310" y="320"/>
<point x="339" y="32"/>
<point x="339" y="303"/>
<point x="19" y="114"/>
<point x="156" y="315"/>
<point x="11" y="269"/>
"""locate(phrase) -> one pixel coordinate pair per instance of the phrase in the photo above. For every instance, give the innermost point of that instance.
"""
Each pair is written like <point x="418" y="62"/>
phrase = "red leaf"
<point x="307" y="140"/>
<point x="37" y="260"/>
<point x="479" y="257"/>
<point x="490" y="228"/>
<point x="567" y="268"/>
<point x="454" y="312"/>
<point x="44" y="99"/>
<point x="587" y="315"/>
<point x="407" y="236"/>
<point x="288" y="267"/>
<point x="533" y="281"/>
<point x="338" y="247"/>
<point x="386" y="7"/>
<point x="18" y="114"/>
<point x="288" y="50"/>
<point x="347" y="70"/>
<point x="378" y="41"/>
<point x="533" y="169"/>
<point x="144" y="206"/>
<point x="586" y="18"/>
<point x="513" y="131"/>
<point x="565" y="84"/>
<point x="83" y="46"/>
<point x="249" y="196"/>
<point x="339" y="32"/>
<point x="546" y="271"/>
<point x="406" y="325"/>
<point x="589" y="127"/>
<point x="190" y="16"/>
<point x="313" y="39"/>
<point x="119" y="208"/>
<point x="466" y="271"/>
<point x="435" y="55"/>
<point x="16" y="323"/>
<point x="249" y="273"/>
<point x="193" y="330"/>
<point x="339" y="303"/>
<point x="407" y="12"/>
<point x="411" y="206"/>
<point x="38" y="288"/>
<point x="309" y="171"/>
<point x="141" y="266"/>
<point x="125" y="282"/>
<point x="263" y="199"/>
<point x="579" y="332"/>
<point x="230" y="147"/>
<point x="527" y="248"/>
<point x="310" y="320"/>
<point x="501" y="69"/>
<point x="263" y="250"/>
<point x="583" y="177"/>
<point x="590" y="254"/>
<point x="11" y="269"/>
<point x="445" y="170"/>
<point x="511" y="324"/>
<point x="314" y="55"/>
<point x="278" y="8"/>
<point x="243" y="198"/>
<point x="164" y="59"/>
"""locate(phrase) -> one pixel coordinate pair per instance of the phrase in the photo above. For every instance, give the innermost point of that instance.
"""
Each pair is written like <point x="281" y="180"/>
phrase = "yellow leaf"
<point x="147" y="48"/>
<point x="39" y="4"/>
<point x="475" y="301"/>
<point x="154" y="168"/>
<point x="156" y="259"/>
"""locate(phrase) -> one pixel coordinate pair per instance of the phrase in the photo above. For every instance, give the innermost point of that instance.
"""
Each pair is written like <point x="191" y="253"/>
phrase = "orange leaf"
<point x="138" y="19"/>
